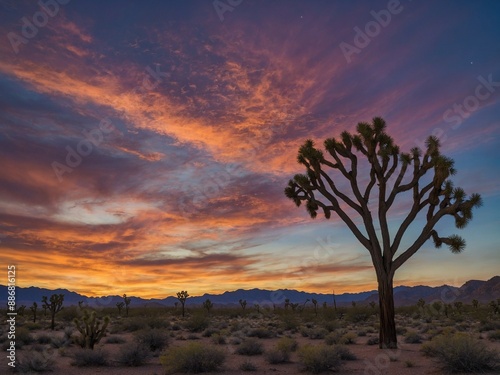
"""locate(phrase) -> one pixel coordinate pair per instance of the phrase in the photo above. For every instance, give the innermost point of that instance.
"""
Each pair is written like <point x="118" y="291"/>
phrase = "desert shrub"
<point x="275" y="356"/>
<point x="115" y="340"/>
<point x="234" y="340"/>
<point x="209" y="332"/>
<point x="462" y="353"/>
<point x="489" y="326"/>
<point x="154" y="339"/>
<point x="44" y="339"/>
<point x="192" y="358"/>
<point x="35" y="361"/>
<point x="372" y="341"/>
<point x="289" y="322"/>
<point x="250" y="347"/>
<point x="248" y="366"/>
<point x="314" y="333"/>
<point x="261" y="333"/>
<point x="330" y="325"/>
<point x="133" y="354"/>
<point x="193" y="336"/>
<point x="340" y="337"/>
<point x="361" y="333"/>
<point x="320" y="358"/>
<point x="58" y="342"/>
<point x="287" y="344"/>
<point x="32" y="326"/>
<point x="409" y="363"/>
<point x="348" y="338"/>
<point x="345" y="353"/>
<point x="218" y="339"/>
<point x="131" y="325"/>
<point x="197" y="323"/>
<point x="401" y="330"/>
<point x="89" y="358"/>
<point x="495" y="335"/>
<point x="413" y="338"/>
<point x="157" y="323"/>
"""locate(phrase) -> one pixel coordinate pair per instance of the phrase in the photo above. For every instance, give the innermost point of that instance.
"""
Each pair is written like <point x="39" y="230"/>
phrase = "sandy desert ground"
<point x="227" y="329"/>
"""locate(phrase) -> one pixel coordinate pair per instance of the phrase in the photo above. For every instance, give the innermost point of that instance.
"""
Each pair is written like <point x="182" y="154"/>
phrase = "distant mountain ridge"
<point x="483" y="291"/>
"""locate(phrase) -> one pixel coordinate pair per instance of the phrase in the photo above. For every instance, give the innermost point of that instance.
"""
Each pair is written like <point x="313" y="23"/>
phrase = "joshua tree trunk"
<point x="387" y="333"/>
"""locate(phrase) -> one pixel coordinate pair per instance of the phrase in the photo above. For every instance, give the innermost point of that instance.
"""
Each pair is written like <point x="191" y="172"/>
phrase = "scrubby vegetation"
<point x="307" y="338"/>
<point x="193" y="358"/>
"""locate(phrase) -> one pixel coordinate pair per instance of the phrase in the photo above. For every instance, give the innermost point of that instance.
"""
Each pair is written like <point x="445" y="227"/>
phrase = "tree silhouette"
<point x="182" y="297"/>
<point x="420" y="176"/>
<point x="55" y="305"/>
<point x="127" y="301"/>
<point x="208" y="305"/>
<point x="33" y="309"/>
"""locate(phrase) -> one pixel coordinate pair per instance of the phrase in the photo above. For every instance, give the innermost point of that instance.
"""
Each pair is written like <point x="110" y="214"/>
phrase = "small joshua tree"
<point x="243" y="303"/>
<point x="372" y="304"/>
<point x="182" y="297"/>
<point x="421" y="303"/>
<point x="475" y="303"/>
<point x="91" y="328"/>
<point x="55" y="305"/>
<point x="119" y="306"/>
<point x="20" y="310"/>
<point x="437" y="306"/>
<point x="495" y="307"/>
<point x="33" y="309"/>
<point x="325" y="305"/>
<point x="208" y="305"/>
<point x="315" y="303"/>
<point x="287" y="303"/>
<point x="127" y="301"/>
<point x="257" y="307"/>
<point x="458" y="306"/>
<point x="294" y="306"/>
<point x="353" y="303"/>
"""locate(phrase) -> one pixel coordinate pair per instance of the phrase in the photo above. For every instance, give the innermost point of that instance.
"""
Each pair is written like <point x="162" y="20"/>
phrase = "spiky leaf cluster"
<point x="391" y="172"/>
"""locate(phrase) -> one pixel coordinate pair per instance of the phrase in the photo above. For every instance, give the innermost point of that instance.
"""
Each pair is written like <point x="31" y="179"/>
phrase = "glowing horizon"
<point x="148" y="154"/>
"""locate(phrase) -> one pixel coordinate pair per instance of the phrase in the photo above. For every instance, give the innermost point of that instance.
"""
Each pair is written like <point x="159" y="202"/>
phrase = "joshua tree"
<point x="372" y="304"/>
<point x="475" y="303"/>
<point x="372" y="153"/>
<point x="127" y="301"/>
<point x="243" y="303"/>
<point x="33" y="309"/>
<point x="437" y="306"/>
<point x="334" y="302"/>
<point x="325" y="305"/>
<point x="208" y="305"/>
<point x="287" y="303"/>
<point x="458" y="306"/>
<point x="421" y="303"/>
<point x="55" y="305"/>
<point x="353" y="303"/>
<point x="495" y="307"/>
<point x="182" y="297"/>
<point x="91" y="328"/>
<point x="257" y="307"/>
<point x="294" y="306"/>
<point x="175" y="305"/>
<point x="119" y="306"/>
<point x="315" y="303"/>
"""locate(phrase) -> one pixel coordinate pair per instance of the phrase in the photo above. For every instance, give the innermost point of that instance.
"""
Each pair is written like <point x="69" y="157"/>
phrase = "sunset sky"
<point x="197" y="110"/>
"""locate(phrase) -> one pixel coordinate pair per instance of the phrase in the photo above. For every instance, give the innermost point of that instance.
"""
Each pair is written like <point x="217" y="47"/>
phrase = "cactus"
<point x="373" y="304"/>
<point x="475" y="303"/>
<point x="55" y="305"/>
<point x="89" y="328"/>
<point x="421" y="303"/>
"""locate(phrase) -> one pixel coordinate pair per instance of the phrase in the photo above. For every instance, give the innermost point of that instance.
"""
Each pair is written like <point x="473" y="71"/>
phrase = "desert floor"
<point x="231" y="328"/>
